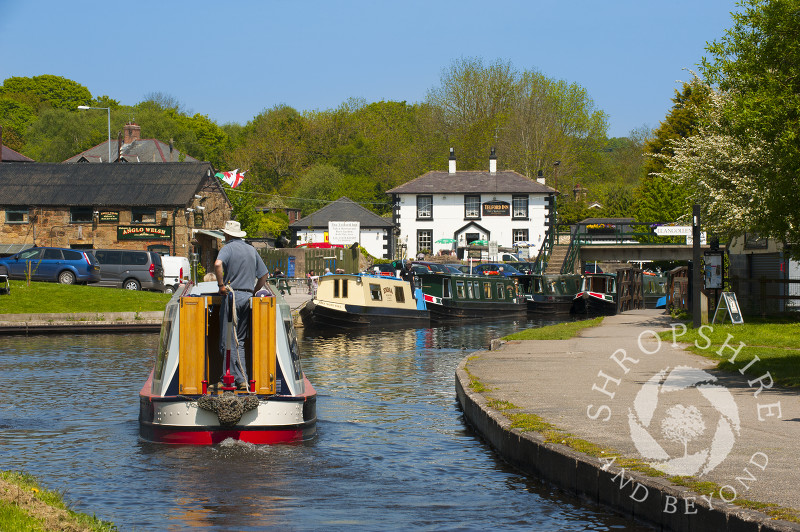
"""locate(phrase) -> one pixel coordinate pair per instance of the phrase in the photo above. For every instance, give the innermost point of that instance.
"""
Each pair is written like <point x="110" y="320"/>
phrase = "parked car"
<point x="132" y="270"/>
<point x="507" y="257"/>
<point x="177" y="270"/>
<point x="525" y="267"/>
<point x="386" y="269"/>
<point x="427" y="267"/>
<point x="495" y="268"/>
<point x="61" y="265"/>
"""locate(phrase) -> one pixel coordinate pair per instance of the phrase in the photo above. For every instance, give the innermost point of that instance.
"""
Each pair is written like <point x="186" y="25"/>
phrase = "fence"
<point x="630" y="289"/>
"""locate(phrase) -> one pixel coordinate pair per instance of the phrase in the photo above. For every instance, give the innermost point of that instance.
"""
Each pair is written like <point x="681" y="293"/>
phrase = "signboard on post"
<point x="728" y="305"/>
<point x="713" y="270"/>
<point x="674" y="230"/>
<point x="344" y="233"/>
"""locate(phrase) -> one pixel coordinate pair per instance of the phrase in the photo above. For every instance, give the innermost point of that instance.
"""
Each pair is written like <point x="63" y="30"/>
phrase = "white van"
<point x="176" y="271"/>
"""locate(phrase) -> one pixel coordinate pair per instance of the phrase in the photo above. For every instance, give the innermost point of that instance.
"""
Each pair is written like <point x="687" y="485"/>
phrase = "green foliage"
<point x="15" y="118"/>
<point x="46" y="91"/>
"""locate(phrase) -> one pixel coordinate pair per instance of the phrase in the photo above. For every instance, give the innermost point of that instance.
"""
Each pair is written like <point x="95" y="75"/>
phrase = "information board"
<point x="730" y="306"/>
<point x="344" y="233"/>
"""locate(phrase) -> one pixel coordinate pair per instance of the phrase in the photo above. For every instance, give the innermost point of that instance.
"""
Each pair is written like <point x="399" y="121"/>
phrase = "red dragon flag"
<point x="234" y="178"/>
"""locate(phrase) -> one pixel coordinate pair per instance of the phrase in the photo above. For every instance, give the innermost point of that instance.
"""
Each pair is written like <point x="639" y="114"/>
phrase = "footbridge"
<point x="604" y="241"/>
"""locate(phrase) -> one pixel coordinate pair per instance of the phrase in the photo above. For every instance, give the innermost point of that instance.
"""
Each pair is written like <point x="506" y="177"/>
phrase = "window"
<point x="500" y="293"/>
<point x="344" y="288"/>
<point x="143" y="216"/>
<point x="375" y="292"/>
<point x="460" y="289"/>
<point x="80" y="214"/>
<point x="336" y="288"/>
<point x="487" y="290"/>
<point x="424" y="240"/>
<point x="520" y="208"/>
<point x="472" y="207"/>
<point x="446" y="289"/>
<point x="16" y="215"/>
<point x="519" y="235"/>
<point x="52" y="254"/>
<point x="469" y="290"/>
<point x="399" y="294"/>
<point x="425" y="208"/>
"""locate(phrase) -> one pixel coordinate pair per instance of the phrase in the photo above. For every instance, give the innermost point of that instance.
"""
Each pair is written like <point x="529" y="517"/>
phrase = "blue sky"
<point x="231" y="60"/>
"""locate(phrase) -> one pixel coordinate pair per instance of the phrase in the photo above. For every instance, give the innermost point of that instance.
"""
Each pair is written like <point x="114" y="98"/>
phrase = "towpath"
<point x="618" y="386"/>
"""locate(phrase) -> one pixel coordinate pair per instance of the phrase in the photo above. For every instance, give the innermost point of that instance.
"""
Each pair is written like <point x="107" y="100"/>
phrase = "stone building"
<point x="175" y="208"/>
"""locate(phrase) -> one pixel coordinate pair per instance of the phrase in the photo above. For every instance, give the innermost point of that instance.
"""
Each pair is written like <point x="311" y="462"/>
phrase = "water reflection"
<point x="392" y="450"/>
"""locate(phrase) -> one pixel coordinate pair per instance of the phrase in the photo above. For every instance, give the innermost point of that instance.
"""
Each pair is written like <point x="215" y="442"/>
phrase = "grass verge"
<point x="54" y="298"/>
<point x="24" y="505"/>
<point x="560" y="331"/>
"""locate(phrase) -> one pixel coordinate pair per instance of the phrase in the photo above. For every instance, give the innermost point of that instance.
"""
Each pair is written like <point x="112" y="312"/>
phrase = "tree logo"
<point x="669" y="429"/>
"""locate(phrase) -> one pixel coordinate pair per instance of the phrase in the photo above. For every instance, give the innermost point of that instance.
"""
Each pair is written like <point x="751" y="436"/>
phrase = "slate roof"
<point x="11" y="156"/>
<point x="75" y="185"/>
<point x="342" y="210"/>
<point x="138" y="151"/>
<point x="472" y="182"/>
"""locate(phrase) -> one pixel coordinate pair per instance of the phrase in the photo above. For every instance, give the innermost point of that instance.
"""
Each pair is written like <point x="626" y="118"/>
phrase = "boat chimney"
<point x="540" y="177"/>
<point x="452" y="161"/>
<point x="492" y="162"/>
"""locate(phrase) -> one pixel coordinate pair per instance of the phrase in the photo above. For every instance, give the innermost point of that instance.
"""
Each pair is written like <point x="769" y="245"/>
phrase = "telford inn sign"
<point x="144" y="232"/>
<point x="496" y="208"/>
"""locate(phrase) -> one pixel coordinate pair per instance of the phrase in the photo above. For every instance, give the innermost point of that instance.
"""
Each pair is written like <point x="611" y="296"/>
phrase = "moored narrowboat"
<point x="597" y="295"/>
<point x="552" y="294"/>
<point x="359" y="300"/>
<point x="178" y="405"/>
<point x="453" y="296"/>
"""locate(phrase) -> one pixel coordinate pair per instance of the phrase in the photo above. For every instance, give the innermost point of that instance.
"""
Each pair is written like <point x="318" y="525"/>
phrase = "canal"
<point x="392" y="449"/>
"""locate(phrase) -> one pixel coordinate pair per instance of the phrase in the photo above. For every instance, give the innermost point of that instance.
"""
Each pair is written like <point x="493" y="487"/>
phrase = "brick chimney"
<point x="132" y="132"/>
<point x="492" y="162"/>
<point x="452" y="161"/>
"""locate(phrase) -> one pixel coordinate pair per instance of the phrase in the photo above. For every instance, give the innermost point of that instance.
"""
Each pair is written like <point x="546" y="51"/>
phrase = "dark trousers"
<point x="238" y="361"/>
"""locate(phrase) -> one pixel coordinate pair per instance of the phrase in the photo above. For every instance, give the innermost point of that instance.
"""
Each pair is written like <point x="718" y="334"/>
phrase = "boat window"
<point x="399" y="294"/>
<point x="487" y="290"/>
<point x="469" y="290"/>
<point x="501" y="294"/>
<point x="164" y="340"/>
<point x="460" y="289"/>
<point x="446" y="288"/>
<point x="336" y="288"/>
<point x="344" y="288"/>
<point x="294" y="351"/>
<point x="375" y="291"/>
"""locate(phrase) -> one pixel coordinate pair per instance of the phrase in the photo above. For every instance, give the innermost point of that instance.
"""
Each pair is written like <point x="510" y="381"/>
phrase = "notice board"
<point x="730" y="306"/>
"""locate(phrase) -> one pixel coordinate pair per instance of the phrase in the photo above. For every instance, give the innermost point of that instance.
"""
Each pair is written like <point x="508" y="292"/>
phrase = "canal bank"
<point x="108" y="322"/>
<point x="615" y="386"/>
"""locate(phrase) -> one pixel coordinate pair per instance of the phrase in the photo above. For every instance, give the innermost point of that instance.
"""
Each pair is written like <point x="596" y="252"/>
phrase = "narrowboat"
<point x="597" y="295"/>
<point x="358" y="300"/>
<point x="655" y="290"/>
<point x="178" y="406"/>
<point x="552" y="294"/>
<point x="453" y="296"/>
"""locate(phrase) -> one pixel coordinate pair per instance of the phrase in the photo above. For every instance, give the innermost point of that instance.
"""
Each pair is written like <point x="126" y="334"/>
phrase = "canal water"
<point x="392" y="450"/>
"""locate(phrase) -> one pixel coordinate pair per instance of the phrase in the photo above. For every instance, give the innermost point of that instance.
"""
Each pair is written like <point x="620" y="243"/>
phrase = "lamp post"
<point x="82" y="107"/>
<point x="555" y="171"/>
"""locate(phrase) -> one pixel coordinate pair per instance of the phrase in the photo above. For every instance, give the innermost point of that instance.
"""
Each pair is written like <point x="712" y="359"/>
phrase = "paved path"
<point x="594" y="386"/>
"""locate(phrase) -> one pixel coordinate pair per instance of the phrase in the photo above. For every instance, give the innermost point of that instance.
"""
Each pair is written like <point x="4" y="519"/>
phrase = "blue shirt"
<point x="242" y="266"/>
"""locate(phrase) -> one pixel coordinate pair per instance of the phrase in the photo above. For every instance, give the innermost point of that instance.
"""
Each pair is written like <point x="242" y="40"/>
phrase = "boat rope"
<point x="233" y="339"/>
<point x="229" y="407"/>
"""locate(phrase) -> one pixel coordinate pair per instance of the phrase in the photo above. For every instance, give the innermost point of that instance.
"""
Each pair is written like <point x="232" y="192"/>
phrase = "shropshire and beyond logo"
<point x="669" y="429"/>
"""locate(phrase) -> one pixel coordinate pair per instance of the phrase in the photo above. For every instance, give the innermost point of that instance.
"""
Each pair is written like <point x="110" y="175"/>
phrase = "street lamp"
<point x="109" y="125"/>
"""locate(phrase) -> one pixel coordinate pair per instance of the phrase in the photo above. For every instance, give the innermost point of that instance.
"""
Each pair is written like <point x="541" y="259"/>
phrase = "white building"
<point x="345" y="222"/>
<point x="496" y="206"/>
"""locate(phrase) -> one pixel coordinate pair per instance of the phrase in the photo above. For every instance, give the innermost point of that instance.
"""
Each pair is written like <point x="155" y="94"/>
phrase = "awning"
<point x="10" y="249"/>
<point x="209" y="232"/>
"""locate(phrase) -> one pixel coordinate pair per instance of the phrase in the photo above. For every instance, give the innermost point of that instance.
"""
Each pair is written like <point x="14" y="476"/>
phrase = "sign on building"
<point x="144" y="232"/>
<point x="344" y="233"/>
<point x="496" y="208"/>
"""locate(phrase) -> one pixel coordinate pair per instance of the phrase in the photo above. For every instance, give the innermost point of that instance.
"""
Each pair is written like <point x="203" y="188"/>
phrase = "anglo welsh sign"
<point x="144" y="232"/>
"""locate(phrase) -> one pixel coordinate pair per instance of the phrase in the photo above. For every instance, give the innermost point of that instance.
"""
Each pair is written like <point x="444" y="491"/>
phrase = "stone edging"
<point x="80" y="322"/>
<point x="583" y="476"/>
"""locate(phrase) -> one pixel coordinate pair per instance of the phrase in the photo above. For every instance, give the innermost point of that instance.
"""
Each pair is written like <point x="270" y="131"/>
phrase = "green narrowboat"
<point x="453" y="296"/>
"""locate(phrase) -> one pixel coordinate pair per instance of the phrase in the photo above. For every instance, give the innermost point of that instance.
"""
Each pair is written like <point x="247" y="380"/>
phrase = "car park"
<point x="61" y="265"/>
<point x="129" y="269"/>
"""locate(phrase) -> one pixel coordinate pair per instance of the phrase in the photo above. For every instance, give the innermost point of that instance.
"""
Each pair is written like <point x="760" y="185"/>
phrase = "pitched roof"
<point x="342" y="210"/>
<point x="144" y="184"/>
<point x="11" y="156"/>
<point x="138" y="151"/>
<point x="472" y="182"/>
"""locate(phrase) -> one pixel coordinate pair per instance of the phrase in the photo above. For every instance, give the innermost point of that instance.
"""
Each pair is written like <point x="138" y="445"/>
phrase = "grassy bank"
<point x="24" y="505"/>
<point x="775" y="347"/>
<point x="560" y="331"/>
<point x="47" y="298"/>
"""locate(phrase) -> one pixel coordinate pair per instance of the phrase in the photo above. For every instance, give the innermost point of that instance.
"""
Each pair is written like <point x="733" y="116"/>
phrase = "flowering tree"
<point x="742" y="165"/>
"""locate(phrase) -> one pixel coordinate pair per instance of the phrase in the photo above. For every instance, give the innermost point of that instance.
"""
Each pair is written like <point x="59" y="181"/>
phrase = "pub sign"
<point x="496" y="208"/>
<point x="144" y="232"/>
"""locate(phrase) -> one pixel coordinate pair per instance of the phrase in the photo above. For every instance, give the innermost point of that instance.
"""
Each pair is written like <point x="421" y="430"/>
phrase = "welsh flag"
<point x="234" y="179"/>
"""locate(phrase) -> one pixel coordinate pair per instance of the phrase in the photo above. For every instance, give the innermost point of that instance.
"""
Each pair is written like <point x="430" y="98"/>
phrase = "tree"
<point x="743" y="162"/>
<point x="46" y="91"/>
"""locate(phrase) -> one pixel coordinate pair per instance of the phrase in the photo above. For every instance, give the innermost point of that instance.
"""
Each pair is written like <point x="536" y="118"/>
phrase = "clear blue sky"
<point x="231" y="60"/>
